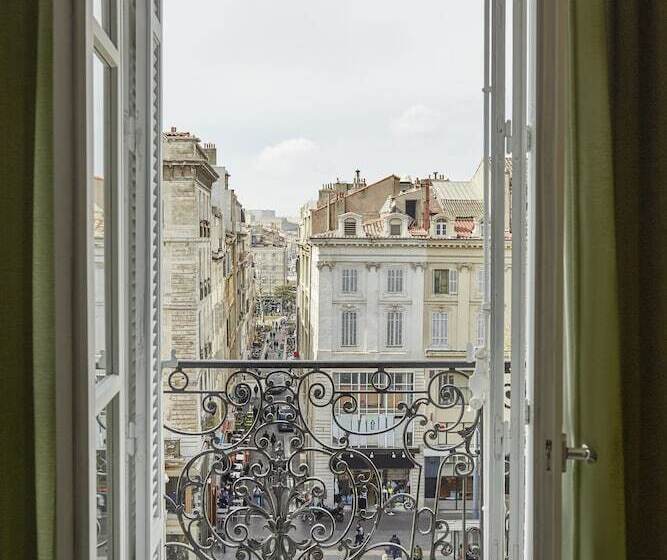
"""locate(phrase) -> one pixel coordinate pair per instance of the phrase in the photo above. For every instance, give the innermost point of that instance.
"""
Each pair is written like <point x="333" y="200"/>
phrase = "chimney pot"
<point x="173" y="129"/>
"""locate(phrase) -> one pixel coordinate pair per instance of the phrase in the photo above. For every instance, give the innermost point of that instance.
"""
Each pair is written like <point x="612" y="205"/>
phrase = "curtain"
<point x="637" y="47"/>
<point x="27" y="421"/>
<point x="616" y="266"/>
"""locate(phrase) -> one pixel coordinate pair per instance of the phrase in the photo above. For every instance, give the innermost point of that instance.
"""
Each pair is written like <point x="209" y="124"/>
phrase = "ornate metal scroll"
<point x="261" y="484"/>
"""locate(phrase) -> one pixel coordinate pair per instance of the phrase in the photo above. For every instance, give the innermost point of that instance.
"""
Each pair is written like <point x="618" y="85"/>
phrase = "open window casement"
<point x="521" y="519"/>
<point x="107" y="82"/>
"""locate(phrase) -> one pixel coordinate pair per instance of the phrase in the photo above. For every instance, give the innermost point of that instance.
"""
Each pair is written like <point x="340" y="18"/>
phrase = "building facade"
<point x="207" y="287"/>
<point x="393" y="271"/>
<point x="269" y="252"/>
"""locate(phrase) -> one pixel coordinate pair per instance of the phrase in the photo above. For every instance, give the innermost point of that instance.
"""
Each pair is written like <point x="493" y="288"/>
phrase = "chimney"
<point x="173" y="129"/>
<point x="427" y="205"/>
<point x="357" y="174"/>
<point x="211" y="153"/>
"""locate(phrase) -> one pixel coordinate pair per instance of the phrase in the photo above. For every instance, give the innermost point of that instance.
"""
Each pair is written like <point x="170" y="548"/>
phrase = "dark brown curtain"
<point x="27" y="421"/>
<point x="637" y="42"/>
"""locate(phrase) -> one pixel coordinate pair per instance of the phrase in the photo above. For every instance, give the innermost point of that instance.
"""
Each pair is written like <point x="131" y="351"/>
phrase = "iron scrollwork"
<point x="275" y="467"/>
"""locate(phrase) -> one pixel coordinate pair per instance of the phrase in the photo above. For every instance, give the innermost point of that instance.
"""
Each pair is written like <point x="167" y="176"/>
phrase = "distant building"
<point x="392" y="270"/>
<point x="269" y="252"/>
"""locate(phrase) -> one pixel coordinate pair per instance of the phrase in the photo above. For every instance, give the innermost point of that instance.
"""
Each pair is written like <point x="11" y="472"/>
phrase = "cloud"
<point x="288" y="156"/>
<point x="417" y="120"/>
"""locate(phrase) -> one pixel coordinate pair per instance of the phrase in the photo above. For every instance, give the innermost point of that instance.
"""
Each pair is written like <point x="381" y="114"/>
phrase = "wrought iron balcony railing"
<point x="291" y="459"/>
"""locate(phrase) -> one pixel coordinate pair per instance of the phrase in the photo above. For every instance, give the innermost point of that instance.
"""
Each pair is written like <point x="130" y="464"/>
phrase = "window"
<point x="395" y="227"/>
<point x="394" y="328"/>
<point x="441" y="228"/>
<point x="480" y="329"/>
<point x="349" y="281"/>
<point x="350" y="227"/>
<point x="439" y="329"/>
<point x="480" y="280"/>
<point x="395" y="280"/>
<point x="445" y="281"/>
<point x="349" y="328"/>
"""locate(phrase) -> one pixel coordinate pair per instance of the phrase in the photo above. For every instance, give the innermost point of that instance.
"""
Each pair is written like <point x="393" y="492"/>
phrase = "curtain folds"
<point x="616" y="266"/>
<point x="27" y="420"/>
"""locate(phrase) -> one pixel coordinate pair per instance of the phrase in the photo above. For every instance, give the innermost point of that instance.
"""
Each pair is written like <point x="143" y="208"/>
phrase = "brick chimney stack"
<point x="427" y="204"/>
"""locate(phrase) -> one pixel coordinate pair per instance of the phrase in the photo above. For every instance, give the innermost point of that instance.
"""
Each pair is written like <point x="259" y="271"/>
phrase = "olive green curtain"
<point x="616" y="263"/>
<point x="27" y="422"/>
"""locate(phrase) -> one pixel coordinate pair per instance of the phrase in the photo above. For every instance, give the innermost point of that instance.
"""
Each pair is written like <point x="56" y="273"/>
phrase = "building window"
<point x="480" y="329"/>
<point x="480" y="280"/>
<point x="441" y="228"/>
<point x="349" y="328"/>
<point x="350" y="227"/>
<point x="394" y="328"/>
<point x="349" y="281"/>
<point x="395" y="227"/>
<point x="445" y="281"/>
<point x="395" y="280"/>
<point x="440" y="329"/>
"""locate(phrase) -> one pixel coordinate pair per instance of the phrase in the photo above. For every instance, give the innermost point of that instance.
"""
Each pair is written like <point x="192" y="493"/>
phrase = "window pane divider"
<point x="104" y="46"/>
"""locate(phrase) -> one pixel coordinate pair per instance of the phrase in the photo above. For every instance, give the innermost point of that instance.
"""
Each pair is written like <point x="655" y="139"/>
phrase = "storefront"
<point x="393" y="466"/>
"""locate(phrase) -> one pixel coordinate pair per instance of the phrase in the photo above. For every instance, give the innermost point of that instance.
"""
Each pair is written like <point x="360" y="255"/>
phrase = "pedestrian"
<point x="418" y="553"/>
<point x="359" y="536"/>
<point x="395" y="550"/>
<point x="257" y="495"/>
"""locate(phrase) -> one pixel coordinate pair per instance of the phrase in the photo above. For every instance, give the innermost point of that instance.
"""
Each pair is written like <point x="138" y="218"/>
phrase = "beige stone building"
<point x="376" y="261"/>
<point x="208" y="287"/>
<point x="269" y="251"/>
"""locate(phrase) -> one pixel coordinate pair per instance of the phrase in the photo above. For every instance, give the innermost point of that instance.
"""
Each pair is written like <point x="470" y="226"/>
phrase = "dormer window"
<point x="441" y="228"/>
<point x="395" y="227"/>
<point x="350" y="227"/>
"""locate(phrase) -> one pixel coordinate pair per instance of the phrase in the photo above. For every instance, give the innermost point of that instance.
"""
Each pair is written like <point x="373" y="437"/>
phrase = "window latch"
<point x="582" y="453"/>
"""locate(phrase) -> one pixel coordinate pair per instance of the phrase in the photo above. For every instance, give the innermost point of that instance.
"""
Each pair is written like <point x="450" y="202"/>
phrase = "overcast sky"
<point x="296" y="93"/>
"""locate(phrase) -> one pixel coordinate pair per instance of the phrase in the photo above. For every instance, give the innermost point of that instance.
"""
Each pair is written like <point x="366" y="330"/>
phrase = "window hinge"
<point x="508" y="136"/>
<point x="527" y="412"/>
<point x="131" y="439"/>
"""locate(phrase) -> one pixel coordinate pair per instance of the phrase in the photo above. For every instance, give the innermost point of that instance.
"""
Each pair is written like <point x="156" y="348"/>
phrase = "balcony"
<point x="305" y="459"/>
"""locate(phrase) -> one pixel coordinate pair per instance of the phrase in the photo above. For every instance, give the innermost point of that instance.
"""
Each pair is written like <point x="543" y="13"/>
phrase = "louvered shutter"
<point x="144" y="125"/>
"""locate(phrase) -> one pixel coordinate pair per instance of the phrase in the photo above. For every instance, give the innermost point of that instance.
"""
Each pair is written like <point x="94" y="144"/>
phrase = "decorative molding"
<point x="372" y="265"/>
<point x="418" y="265"/>
<point x="322" y="264"/>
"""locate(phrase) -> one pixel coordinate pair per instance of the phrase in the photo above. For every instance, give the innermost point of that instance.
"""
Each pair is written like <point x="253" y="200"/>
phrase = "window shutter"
<point x="145" y="170"/>
<point x="453" y="282"/>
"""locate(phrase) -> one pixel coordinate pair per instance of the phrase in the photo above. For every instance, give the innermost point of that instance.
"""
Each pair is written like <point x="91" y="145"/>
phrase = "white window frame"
<point x="440" y="323"/>
<point x="395" y="280"/>
<point x="349" y="281"/>
<point x="395" y="334"/>
<point x="393" y="222"/>
<point x="452" y="282"/>
<point x="349" y="328"/>
<point x="440" y="227"/>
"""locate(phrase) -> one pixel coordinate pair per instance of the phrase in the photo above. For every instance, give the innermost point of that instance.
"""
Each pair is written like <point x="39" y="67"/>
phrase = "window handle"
<point x="582" y="453"/>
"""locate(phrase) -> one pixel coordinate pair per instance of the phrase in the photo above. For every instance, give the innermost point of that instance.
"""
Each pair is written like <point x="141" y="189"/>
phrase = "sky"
<point x="298" y="93"/>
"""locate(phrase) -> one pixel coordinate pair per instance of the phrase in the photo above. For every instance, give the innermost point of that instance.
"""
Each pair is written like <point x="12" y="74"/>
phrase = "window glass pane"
<point x="103" y="11"/>
<point x="104" y="483"/>
<point x="101" y="211"/>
